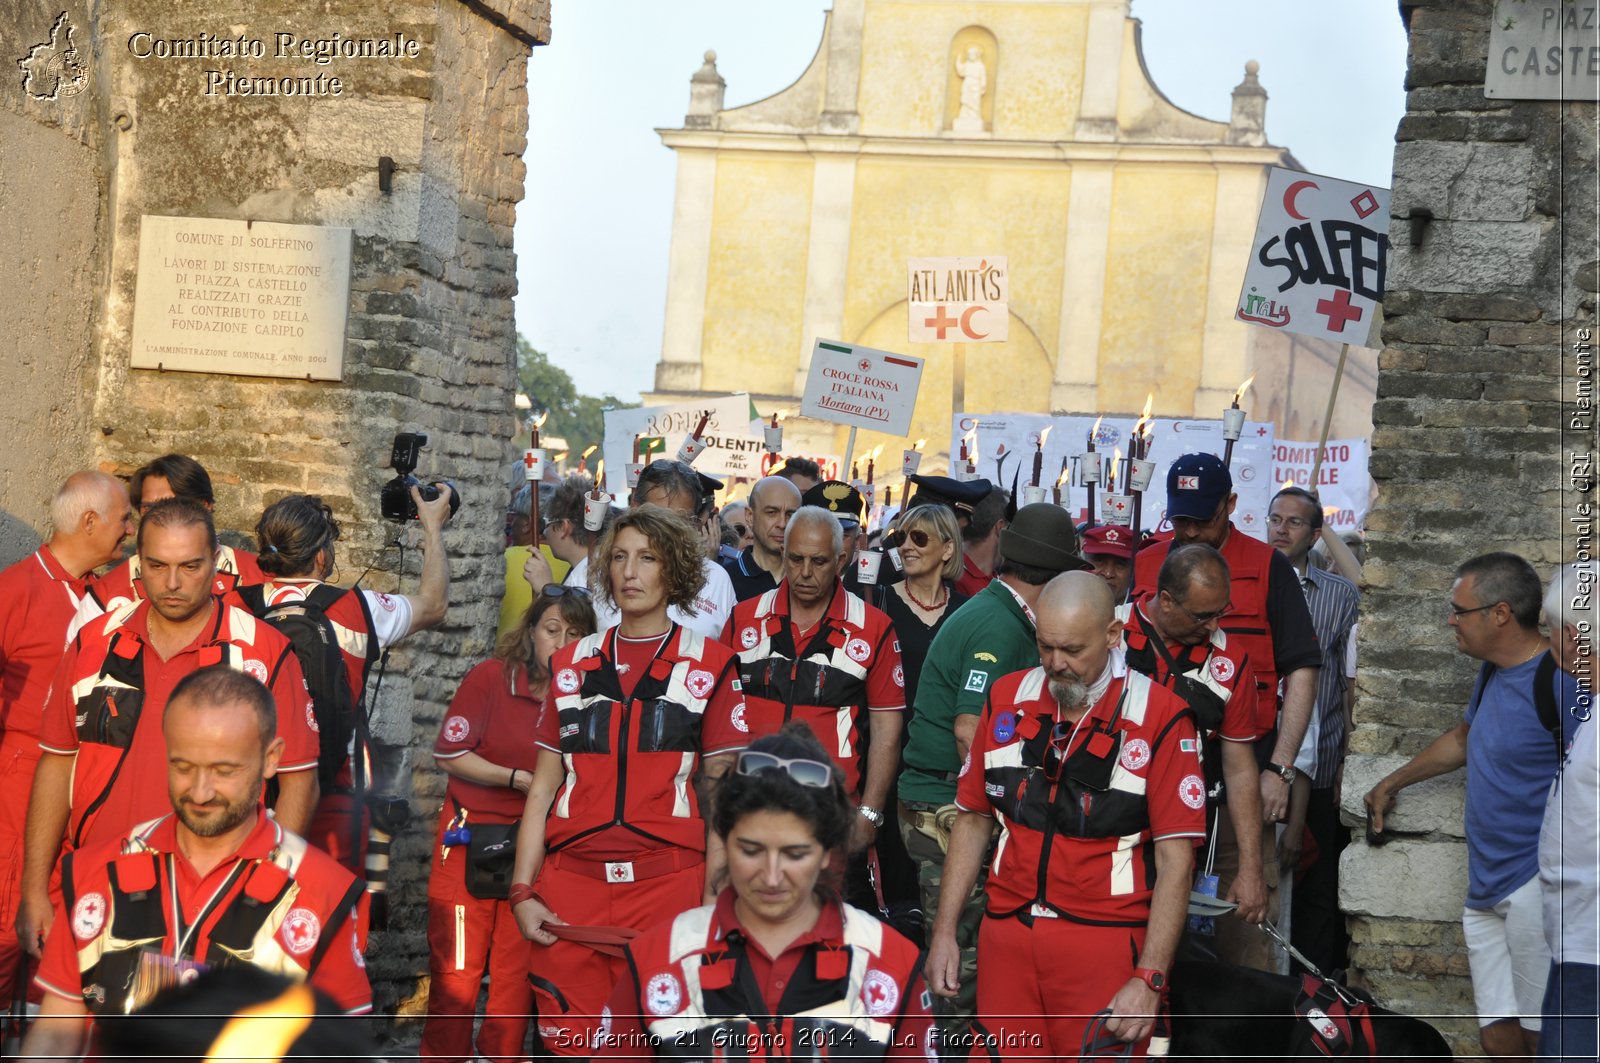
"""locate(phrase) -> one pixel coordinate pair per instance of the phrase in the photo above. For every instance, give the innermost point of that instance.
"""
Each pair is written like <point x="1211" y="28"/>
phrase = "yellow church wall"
<point x="908" y="75"/>
<point x="914" y="207"/>
<point x="1153" y="318"/>
<point x="756" y="275"/>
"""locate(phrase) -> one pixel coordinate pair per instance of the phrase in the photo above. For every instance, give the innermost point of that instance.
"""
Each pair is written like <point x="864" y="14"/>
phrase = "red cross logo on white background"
<point x="618" y="873"/>
<point x="527" y="460"/>
<point x="1338" y="310"/>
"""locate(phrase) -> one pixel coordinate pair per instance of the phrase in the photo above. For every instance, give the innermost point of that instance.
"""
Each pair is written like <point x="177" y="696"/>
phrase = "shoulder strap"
<point x="336" y="921"/>
<point x="1544" y="700"/>
<point x="254" y="597"/>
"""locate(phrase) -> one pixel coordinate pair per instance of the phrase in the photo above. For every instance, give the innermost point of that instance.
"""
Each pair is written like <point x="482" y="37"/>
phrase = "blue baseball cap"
<point x="1197" y="484"/>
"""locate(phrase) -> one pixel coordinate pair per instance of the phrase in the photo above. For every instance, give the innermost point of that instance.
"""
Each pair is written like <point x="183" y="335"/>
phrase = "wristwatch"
<point x="871" y="815"/>
<point x="1282" y="771"/>
<point x="1156" y="980"/>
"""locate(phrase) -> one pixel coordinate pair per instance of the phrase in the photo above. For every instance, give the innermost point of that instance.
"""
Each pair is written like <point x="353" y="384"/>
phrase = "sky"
<point x="593" y="231"/>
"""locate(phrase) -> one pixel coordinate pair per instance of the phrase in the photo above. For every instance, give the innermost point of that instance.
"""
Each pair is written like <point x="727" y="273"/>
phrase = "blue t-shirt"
<point x="1511" y="760"/>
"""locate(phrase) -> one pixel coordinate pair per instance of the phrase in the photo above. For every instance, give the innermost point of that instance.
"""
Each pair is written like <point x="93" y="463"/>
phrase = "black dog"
<point x="1225" y="1012"/>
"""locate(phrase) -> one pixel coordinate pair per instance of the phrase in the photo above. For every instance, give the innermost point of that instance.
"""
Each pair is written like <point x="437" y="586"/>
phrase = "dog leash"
<point x="1294" y="953"/>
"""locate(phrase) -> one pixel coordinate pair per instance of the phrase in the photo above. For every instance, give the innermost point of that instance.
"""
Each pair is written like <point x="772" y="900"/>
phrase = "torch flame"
<point x="1149" y="400"/>
<point x="872" y="455"/>
<point x="589" y="450"/>
<point x="1286" y="484"/>
<point x="1044" y="433"/>
<point x="1237" y="395"/>
<point x="538" y="422"/>
<point x="600" y="475"/>
<point x="918" y="444"/>
<point x="1061" y="481"/>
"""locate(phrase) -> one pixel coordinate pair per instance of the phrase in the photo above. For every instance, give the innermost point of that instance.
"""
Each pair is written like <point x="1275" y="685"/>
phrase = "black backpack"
<point x="1544" y="698"/>
<point x="304" y="622"/>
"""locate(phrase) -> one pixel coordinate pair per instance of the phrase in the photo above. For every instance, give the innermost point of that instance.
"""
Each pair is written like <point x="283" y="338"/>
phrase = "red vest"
<point x="281" y="912"/>
<point x="842" y="1003"/>
<point x="630" y="763"/>
<point x="1249" y="562"/>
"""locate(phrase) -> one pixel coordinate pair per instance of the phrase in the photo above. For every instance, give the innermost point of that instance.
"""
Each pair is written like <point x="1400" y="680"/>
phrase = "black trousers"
<point x="1317" y="928"/>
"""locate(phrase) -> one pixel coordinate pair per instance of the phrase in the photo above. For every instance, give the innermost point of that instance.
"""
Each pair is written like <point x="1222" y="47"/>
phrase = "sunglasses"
<point x="556" y="590"/>
<point x="813" y="773"/>
<point x="1055" y="751"/>
<point x="741" y="530"/>
<point x="920" y="539"/>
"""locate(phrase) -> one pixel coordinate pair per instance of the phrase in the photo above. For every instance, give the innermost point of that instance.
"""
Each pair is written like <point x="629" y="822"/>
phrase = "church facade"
<point x="1033" y="131"/>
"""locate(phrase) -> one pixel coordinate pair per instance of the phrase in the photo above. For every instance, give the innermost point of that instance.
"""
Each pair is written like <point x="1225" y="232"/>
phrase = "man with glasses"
<point x="1174" y="637"/>
<point x="1093" y="772"/>
<point x="1270" y="623"/>
<point x="759" y="566"/>
<point x="1294" y="523"/>
<point x="1511" y="760"/>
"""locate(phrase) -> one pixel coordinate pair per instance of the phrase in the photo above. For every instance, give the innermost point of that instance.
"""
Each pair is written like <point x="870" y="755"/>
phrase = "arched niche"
<point x="961" y="44"/>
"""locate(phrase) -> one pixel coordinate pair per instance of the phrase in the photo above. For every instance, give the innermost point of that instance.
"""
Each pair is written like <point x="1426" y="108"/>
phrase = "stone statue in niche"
<point x="974" y="76"/>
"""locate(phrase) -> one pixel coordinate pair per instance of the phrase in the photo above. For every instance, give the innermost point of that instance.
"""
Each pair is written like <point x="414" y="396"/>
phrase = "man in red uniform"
<point x="1094" y="773"/>
<point x="1267" y="620"/>
<point x="1173" y="637"/>
<point x="242" y="889"/>
<point x="104" y="762"/>
<point x="89" y="517"/>
<point x="810" y="650"/>
<point x="171" y="476"/>
<point x="1110" y="550"/>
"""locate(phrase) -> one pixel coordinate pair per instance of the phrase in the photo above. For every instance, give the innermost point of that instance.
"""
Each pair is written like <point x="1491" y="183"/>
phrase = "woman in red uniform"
<point x="612" y="833"/>
<point x="486" y="747"/>
<point x="778" y="966"/>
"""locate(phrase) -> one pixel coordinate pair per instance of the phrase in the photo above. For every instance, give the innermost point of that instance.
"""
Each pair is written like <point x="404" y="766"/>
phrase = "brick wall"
<point x="430" y="338"/>
<point x="1468" y="454"/>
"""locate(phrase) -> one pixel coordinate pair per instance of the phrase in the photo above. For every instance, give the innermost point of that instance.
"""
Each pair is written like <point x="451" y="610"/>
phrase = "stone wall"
<point x="431" y="338"/>
<point x="1469" y="455"/>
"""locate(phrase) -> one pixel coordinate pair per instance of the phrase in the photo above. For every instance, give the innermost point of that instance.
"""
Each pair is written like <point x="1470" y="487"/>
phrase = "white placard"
<point x="862" y="387"/>
<point x="262" y="299"/>
<point x="958" y="300"/>
<point x="733" y="447"/>
<point x="1343" y="482"/>
<point x="1318" y="258"/>
<point x="1007" y="443"/>
<point x="1544" y="50"/>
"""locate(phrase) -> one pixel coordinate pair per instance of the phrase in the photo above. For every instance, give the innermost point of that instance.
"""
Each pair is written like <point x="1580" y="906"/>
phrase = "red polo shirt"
<point x="38" y="599"/>
<point x="973" y="579"/>
<point x="499" y="725"/>
<point x="139" y="790"/>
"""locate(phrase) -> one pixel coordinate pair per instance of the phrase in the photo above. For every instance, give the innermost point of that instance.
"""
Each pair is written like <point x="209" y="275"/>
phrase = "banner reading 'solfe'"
<point x="1318" y="259"/>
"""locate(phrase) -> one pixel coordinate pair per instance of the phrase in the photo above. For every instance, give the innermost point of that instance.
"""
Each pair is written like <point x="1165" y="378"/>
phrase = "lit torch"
<point x="1233" y="421"/>
<point x="533" y="469"/>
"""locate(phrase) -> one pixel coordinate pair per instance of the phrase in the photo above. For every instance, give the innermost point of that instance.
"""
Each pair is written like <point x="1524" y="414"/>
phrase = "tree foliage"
<point x="575" y="417"/>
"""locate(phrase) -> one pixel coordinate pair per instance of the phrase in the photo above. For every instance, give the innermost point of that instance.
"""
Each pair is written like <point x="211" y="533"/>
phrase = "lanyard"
<point x="185" y="931"/>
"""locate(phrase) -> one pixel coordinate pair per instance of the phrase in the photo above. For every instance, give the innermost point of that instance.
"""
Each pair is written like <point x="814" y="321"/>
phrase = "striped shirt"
<point x="1335" y="605"/>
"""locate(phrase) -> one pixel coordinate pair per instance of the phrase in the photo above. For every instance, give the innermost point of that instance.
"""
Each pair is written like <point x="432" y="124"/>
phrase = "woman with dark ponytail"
<point x="778" y="965"/>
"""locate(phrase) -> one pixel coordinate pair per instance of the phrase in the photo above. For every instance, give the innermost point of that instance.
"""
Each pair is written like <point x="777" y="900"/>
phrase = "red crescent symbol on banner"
<point x="1289" y="196"/>
<point x="966" y="322"/>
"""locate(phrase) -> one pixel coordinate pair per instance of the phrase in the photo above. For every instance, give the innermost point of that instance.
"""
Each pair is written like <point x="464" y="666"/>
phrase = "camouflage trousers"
<point x="923" y="830"/>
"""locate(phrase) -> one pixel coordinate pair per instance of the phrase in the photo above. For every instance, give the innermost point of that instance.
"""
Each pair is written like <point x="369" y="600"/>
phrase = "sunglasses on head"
<point x="556" y="590"/>
<point x="813" y="773"/>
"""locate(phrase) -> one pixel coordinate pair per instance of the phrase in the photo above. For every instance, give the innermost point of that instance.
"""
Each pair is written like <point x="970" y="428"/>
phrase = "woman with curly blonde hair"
<point x="639" y="719"/>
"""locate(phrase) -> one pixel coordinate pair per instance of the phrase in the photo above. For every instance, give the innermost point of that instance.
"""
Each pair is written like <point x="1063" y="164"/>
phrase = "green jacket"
<point x="988" y="637"/>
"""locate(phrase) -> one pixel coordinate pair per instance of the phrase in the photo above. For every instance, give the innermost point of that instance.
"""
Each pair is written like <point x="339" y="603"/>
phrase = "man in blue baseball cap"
<point x="1268" y="619"/>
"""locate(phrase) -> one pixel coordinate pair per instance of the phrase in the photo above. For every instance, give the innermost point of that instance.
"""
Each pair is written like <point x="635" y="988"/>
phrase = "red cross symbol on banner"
<point x="1338" y="310"/>
<point x="940" y="322"/>
<point x="1260" y="432"/>
<point x="1121" y="506"/>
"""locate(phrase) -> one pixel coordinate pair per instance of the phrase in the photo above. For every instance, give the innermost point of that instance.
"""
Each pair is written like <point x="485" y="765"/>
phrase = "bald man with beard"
<point x="1093" y="772"/>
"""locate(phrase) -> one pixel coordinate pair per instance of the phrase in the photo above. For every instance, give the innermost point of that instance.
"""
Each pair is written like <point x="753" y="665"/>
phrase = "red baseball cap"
<point x="1110" y="540"/>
